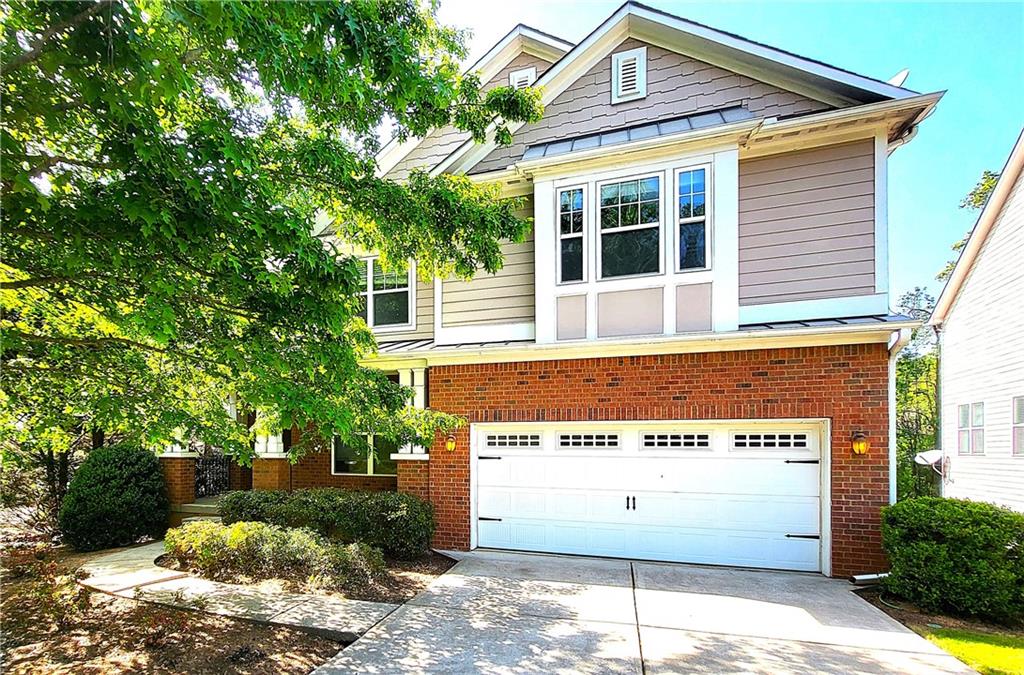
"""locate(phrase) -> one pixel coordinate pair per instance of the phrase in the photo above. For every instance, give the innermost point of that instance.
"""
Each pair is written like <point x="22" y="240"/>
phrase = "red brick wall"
<point x="180" y="477"/>
<point x="848" y="384"/>
<point x="314" y="470"/>
<point x="271" y="474"/>
<point x="414" y="478"/>
<point x="239" y="477"/>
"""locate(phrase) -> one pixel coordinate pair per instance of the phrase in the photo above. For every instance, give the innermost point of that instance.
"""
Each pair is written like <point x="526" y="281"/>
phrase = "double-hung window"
<point x="629" y="213"/>
<point x="367" y="455"/>
<point x="387" y="295"/>
<point x="971" y="429"/>
<point x="570" y="234"/>
<point x="1018" y="426"/>
<point x="692" y="232"/>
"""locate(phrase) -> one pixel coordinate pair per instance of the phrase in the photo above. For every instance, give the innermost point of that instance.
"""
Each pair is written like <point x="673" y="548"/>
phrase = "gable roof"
<point x="812" y="78"/>
<point x="1009" y="176"/>
<point x="520" y="40"/>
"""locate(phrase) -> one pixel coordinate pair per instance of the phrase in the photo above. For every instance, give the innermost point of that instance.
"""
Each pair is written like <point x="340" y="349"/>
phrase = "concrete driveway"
<point x="519" y="613"/>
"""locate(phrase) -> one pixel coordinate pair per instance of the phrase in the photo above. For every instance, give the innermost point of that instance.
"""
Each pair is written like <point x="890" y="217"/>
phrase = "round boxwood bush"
<point x="117" y="497"/>
<point x="956" y="556"/>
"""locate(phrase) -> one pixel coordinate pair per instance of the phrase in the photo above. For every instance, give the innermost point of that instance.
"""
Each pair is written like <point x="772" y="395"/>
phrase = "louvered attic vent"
<point x="520" y="79"/>
<point x="629" y="75"/>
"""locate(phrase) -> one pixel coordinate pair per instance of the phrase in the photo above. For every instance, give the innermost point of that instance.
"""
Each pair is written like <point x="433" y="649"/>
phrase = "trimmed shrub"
<point x="956" y="556"/>
<point x="401" y="525"/>
<point x="254" y="550"/>
<point x="116" y="498"/>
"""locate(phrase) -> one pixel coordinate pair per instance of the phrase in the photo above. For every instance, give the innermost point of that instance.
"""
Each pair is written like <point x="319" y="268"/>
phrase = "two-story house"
<point x="979" y="319"/>
<point x="691" y="357"/>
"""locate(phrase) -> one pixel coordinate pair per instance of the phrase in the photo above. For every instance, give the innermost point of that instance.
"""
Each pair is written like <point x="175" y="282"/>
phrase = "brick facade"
<point x="180" y="478"/>
<point x="271" y="474"/>
<point x="847" y="384"/>
<point x="314" y="470"/>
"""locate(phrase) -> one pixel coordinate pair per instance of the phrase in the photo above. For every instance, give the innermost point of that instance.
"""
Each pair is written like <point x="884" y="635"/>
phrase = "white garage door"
<point x="744" y="494"/>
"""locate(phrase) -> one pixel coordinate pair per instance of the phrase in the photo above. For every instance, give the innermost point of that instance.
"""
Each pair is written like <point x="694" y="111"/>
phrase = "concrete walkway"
<point x="131" y="573"/>
<point x="518" y="613"/>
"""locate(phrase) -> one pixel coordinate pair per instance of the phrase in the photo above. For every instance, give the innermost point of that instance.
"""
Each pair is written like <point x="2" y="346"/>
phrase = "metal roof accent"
<point x="824" y="323"/>
<point x="637" y="133"/>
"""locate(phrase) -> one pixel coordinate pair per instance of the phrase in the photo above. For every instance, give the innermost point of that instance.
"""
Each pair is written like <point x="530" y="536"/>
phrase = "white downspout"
<point x="899" y="340"/>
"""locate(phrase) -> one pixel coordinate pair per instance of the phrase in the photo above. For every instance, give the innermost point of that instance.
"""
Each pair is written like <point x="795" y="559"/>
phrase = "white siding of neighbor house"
<point x="983" y="360"/>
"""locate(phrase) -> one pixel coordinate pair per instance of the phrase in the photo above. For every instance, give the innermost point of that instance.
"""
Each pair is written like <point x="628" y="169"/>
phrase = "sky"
<point x="972" y="50"/>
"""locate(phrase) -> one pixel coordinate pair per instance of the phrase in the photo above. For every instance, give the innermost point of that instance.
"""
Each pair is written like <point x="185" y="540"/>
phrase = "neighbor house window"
<point x="1018" y="425"/>
<point x="630" y="217"/>
<point x="971" y="429"/>
<point x="570" y="235"/>
<point x="386" y="294"/>
<point x="367" y="455"/>
<point x="692" y="230"/>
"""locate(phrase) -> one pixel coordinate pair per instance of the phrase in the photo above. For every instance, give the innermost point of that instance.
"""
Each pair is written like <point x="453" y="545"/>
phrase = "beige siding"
<point x="693" y="308"/>
<point x="676" y="85"/>
<point x="505" y="297"/>
<point x="639" y="312"/>
<point x="571" y="317"/>
<point x="806" y="224"/>
<point x="983" y="362"/>
<point x="424" y="317"/>
<point x="442" y="142"/>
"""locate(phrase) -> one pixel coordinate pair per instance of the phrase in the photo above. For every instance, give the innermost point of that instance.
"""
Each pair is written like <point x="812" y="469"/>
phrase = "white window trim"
<point x="369" y="294"/>
<point x="583" y="236"/>
<point x="707" y="218"/>
<point x="660" y="225"/>
<point x="530" y="73"/>
<point x="370" y="461"/>
<point x="1015" y="425"/>
<point x="640" y="53"/>
<point x="970" y="428"/>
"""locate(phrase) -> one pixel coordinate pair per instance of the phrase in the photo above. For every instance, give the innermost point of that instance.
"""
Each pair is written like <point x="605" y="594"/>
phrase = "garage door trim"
<point x="631" y="434"/>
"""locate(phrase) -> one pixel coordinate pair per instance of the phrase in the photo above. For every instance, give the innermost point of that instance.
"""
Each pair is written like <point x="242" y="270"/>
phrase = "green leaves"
<point x="163" y="167"/>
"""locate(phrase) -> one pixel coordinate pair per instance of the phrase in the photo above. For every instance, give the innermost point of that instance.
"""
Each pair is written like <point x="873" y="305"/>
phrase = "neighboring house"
<point x="691" y="356"/>
<point x="979" y="319"/>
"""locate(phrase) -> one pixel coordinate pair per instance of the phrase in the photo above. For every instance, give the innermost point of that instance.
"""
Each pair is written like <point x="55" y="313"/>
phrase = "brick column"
<point x="239" y="477"/>
<point x="271" y="473"/>
<point x="180" y="476"/>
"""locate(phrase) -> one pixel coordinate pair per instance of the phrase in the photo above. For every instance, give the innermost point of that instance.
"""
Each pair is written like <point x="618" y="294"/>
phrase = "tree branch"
<point x="100" y="342"/>
<point x="40" y="45"/>
<point x="32" y="283"/>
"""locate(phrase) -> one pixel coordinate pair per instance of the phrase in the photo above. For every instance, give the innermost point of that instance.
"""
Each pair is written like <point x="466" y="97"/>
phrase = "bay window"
<point x="570" y="235"/>
<point x="387" y="295"/>
<point x="692" y="220"/>
<point x="629" y="213"/>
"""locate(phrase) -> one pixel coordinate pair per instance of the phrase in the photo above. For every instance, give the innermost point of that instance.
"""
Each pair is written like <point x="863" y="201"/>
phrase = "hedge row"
<point x="399" y="524"/>
<point x="956" y="556"/>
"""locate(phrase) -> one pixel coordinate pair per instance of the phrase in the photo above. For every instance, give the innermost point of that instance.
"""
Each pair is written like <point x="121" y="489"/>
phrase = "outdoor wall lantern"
<point x="860" y="443"/>
<point x="449" y="443"/>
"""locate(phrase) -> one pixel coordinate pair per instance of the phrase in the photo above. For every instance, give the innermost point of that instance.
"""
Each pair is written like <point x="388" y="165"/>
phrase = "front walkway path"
<point x="505" y="613"/>
<point x="131" y="573"/>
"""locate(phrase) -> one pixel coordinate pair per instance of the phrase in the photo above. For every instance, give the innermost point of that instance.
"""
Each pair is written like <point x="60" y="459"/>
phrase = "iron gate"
<point x="212" y="473"/>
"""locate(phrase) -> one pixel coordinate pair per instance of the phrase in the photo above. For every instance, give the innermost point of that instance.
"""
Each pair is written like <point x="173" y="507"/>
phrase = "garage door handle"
<point x="803" y="461"/>
<point x="803" y="536"/>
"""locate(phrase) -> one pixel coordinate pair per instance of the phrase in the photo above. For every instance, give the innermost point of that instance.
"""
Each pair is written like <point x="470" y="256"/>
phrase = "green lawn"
<point x="988" y="653"/>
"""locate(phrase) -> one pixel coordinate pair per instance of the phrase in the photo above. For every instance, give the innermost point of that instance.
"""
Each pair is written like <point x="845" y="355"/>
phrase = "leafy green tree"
<point x="163" y="165"/>
<point x="974" y="201"/>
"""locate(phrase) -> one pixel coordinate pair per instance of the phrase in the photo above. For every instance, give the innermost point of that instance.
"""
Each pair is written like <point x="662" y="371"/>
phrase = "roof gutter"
<point x="1007" y="179"/>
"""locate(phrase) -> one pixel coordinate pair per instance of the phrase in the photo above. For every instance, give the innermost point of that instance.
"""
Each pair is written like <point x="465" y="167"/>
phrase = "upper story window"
<point x="571" y="228"/>
<point x="693" y="220"/>
<point x="971" y="429"/>
<point x="520" y="79"/>
<point x="629" y="213"/>
<point x="1018" y="425"/>
<point x="629" y="75"/>
<point x="388" y="296"/>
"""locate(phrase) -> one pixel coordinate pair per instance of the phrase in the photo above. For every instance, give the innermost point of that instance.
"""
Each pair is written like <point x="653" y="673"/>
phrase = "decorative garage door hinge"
<point x="803" y="461"/>
<point x="803" y="536"/>
<point x="484" y="518"/>
<point x="488" y="457"/>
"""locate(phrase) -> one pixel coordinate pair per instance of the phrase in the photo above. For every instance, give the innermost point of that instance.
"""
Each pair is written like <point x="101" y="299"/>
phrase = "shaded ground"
<point x="52" y="625"/>
<point x="989" y="648"/>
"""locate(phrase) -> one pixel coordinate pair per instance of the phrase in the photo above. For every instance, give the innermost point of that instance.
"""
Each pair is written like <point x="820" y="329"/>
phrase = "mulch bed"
<point x="52" y="625"/>
<point x="920" y="621"/>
